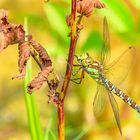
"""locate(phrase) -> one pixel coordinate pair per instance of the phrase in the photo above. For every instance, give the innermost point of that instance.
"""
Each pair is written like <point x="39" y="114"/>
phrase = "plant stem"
<point x="61" y="131"/>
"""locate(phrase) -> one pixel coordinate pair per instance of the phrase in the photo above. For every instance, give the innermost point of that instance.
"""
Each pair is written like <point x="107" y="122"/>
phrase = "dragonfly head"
<point x="84" y="59"/>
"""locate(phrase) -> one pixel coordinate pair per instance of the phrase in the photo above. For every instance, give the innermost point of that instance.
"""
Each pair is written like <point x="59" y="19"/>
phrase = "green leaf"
<point x="49" y="134"/>
<point x="31" y="107"/>
<point x="94" y="41"/>
<point x="119" y="15"/>
<point x="81" y="134"/>
<point x="56" y="17"/>
<point x="33" y="19"/>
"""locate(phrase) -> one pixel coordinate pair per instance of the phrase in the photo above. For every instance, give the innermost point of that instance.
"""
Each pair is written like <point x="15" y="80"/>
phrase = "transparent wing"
<point x="118" y="70"/>
<point x="105" y="51"/>
<point x="115" y="109"/>
<point x="99" y="100"/>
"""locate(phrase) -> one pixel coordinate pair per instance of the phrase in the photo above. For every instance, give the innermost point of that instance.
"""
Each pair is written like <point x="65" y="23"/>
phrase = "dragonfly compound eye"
<point x="89" y="60"/>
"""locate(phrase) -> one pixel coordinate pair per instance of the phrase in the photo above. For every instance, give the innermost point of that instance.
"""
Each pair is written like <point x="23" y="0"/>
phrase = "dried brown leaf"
<point x="19" y="32"/>
<point x="53" y="82"/>
<point x="68" y="19"/>
<point x="43" y="55"/>
<point x="85" y="7"/>
<point x="40" y="79"/>
<point x="98" y="4"/>
<point x="24" y="55"/>
<point x="11" y="33"/>
<point x="3" y="14"/>
<point x="6" y="39"/>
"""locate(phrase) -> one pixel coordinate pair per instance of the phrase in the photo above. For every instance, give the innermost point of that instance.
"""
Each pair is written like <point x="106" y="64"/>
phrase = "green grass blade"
<point x="53" y="135"/>
<point x="31" y="107"/>
<point x="81" y="134"/>
<point x="47" y="130"/>
<point x="119" y="15"/>
<point x="49" y="135"/>
<point x="55" y="15"/>
<point x="32" y="112"/>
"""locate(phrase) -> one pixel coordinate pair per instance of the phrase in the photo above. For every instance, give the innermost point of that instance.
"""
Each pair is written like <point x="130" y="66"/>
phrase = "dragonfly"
<point x="107" y="76"/>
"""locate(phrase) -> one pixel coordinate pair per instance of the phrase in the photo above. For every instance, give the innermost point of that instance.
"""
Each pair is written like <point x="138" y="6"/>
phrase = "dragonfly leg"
<point x="76" y="72"/>
<point x="75" y="65"/>
<point x="80" y="78"/>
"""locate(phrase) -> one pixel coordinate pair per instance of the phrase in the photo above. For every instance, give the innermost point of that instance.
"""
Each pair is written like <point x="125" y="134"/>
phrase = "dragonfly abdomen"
<point x="122" y="95"/>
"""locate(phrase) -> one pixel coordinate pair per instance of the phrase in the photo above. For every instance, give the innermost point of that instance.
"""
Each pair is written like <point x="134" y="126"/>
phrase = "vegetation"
<point x="82" y="32"/>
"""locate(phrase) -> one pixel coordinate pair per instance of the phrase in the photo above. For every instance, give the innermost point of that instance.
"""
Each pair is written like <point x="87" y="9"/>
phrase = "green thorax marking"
<point x="93" y="68"/>
<point x="94" y="73"/>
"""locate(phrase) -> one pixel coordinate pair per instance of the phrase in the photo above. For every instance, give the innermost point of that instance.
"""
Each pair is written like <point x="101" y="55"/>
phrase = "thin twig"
<point x="80" y="18"/>
<point x="71" y="51"/>
<point x="61" y="132"/>
<point x="34" y="57"/>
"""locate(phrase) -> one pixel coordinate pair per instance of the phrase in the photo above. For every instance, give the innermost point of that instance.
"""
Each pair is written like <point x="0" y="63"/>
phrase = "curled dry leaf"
<point x="3" y="13"/>
<point x="20" y="33"/>
<point x="46" y="65"/>
<point x="24" y="55"/>
<point x="11" y="33"/>
<point x="40" y="79"/>
<point x="85" y="7"/>
<point x="54" y="97"/>
<point x="53" y="85"/>
<point x="6" y="31"/>
<point x="6" y="38"/>
<point x="98" y="4"/>
<point x="43" y="55"/>
<point x="68" y="18"/>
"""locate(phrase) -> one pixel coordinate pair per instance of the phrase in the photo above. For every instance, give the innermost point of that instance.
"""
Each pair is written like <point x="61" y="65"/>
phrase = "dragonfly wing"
<point x="105" y="51"/>
<point x="118" y="70"/>
<point x="99" y="100"/>
<point x="115" y="109"/>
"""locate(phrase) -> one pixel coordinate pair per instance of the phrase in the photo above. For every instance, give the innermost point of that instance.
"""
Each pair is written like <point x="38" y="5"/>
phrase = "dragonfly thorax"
<point x="92" y="67"/>
<point x="95" y="71"/>
<point x="84" y="60"/>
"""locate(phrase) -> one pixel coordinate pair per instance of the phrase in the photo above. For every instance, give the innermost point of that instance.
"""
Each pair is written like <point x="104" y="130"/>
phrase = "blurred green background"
<point x="47" y="25"/>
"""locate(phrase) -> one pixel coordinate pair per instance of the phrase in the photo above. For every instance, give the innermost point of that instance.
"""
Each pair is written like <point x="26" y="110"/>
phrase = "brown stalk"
<point x="61" y="133"/>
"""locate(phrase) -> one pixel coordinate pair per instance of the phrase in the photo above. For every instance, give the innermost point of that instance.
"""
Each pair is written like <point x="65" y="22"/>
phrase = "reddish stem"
<point x="61" y="132"/>
<point x="71" y="51"/>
